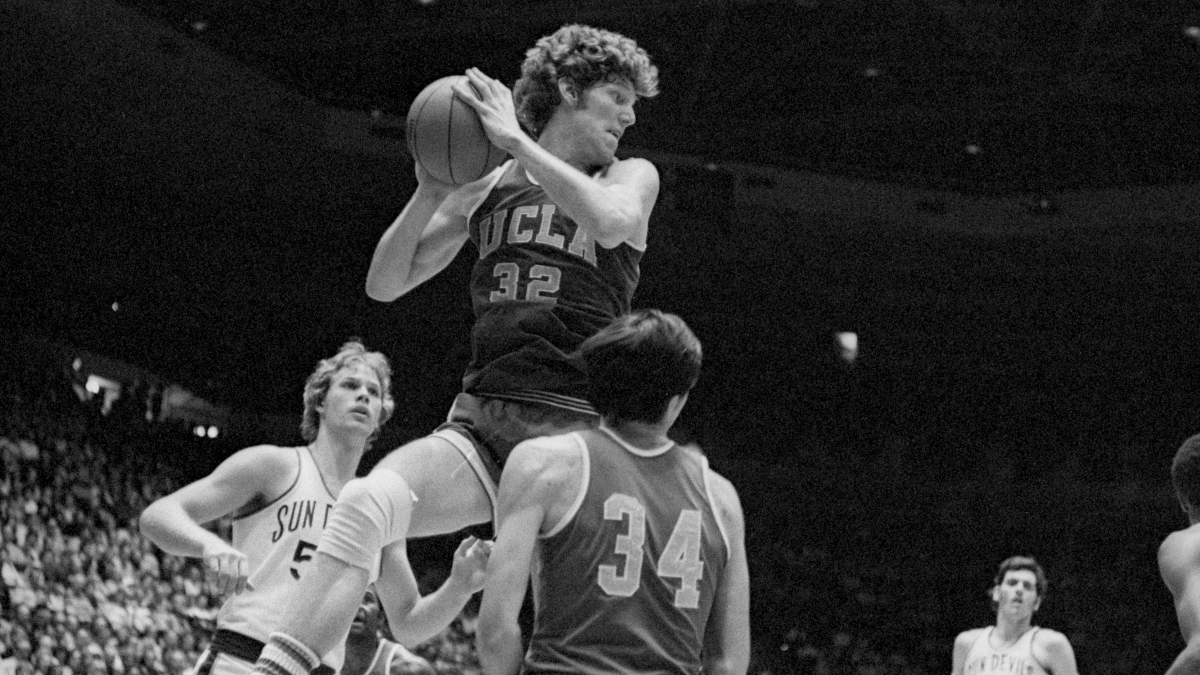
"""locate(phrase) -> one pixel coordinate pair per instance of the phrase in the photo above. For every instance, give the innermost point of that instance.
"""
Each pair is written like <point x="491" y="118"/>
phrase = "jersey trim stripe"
<point x="585" y="475"/>
<point x="535" y="396"/>
<point x="320" y="475"/>
<point x="712" y="503"/>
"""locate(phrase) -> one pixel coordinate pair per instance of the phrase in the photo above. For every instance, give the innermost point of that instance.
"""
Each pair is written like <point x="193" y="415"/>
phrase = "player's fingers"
<point x="212" y="571"/>
<point x="464" y="546"/>
<point x="228" y="575"/>
<point x="240" y="583"/>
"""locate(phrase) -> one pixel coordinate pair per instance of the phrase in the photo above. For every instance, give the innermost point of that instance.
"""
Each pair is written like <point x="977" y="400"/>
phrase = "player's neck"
<point x="1009" y="630"/>
<point x="643" y="435"/>
<point x="559" y="141"/>
<point x="338" y="454"/>
<point x="360" y="652"/>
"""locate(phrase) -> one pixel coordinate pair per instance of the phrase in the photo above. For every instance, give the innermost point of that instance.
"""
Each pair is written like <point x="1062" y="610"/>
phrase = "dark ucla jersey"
<point x="626" y="582"/>
<point x="541" y="286"/>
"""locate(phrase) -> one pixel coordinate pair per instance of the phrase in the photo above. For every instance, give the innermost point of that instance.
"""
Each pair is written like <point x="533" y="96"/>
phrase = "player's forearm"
<point x="726" y="663"/>
<point x="499" y="647"/>
<point x="392" y="262"/>
<point x="587" y="202"/>
<point x="170" y="527"/>
<point x="430" y="614"/>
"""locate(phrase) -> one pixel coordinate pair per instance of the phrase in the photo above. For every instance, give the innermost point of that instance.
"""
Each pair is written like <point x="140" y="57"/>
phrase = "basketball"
<point x="446" y="137"/>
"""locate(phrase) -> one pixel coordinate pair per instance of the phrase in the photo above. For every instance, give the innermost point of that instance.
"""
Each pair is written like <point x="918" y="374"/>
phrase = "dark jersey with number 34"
<point x="541" y="286"/>
<point x="626" y="581"/>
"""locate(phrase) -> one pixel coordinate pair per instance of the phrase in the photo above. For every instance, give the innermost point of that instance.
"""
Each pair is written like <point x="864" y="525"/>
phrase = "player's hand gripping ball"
<point x="446" y="137"/>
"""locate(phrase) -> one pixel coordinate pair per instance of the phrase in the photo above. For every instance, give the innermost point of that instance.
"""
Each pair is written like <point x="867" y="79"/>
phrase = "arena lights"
<point x="847" y="345"/>
<point x="201" y="431"/>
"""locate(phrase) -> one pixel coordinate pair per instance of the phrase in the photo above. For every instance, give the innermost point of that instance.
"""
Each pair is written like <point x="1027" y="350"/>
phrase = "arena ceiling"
<point x="174" y="209"/>
<point x="991" y="96"/>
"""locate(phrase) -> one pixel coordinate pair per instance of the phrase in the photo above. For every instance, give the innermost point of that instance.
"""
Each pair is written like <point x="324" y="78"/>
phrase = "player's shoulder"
<point x="632" y="169"/>
<point x="1048" y="637"/>
<point x="1180" y="547"/>
<point x="969" y="637"/>
<point x="267" y="459"/>
<point x="545" y="457"/>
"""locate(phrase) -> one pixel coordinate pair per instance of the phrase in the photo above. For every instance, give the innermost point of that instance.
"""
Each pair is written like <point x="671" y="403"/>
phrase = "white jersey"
<point x="1013" y="659"/>
<point x="279" y="540"/>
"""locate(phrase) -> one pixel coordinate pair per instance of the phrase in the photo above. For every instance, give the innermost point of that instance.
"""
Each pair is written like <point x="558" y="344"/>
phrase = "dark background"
<point x="1021" y="386"/>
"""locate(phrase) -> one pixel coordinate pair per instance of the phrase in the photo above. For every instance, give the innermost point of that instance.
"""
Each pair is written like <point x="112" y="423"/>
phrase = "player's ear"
<point x="996" y="593"/>
<point x="1037" y="603"/>
<point x="568" y="90"/>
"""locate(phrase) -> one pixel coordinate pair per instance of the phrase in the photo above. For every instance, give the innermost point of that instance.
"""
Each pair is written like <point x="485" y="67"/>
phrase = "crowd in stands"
<point x="83" y="592"/>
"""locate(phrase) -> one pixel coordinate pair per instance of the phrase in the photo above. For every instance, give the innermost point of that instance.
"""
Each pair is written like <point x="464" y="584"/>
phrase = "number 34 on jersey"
<point x="680" y="558"/>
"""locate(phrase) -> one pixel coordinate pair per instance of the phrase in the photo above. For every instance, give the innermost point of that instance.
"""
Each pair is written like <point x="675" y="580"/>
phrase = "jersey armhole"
<point x="585" y="473"/>
<point x="251" y="508"/>
<point x="473" y="194"/>
<point x="716" y="510"/>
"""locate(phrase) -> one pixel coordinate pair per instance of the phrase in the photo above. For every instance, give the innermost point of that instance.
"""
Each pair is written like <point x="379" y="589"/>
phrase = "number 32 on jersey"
<point x="680" y="559"/>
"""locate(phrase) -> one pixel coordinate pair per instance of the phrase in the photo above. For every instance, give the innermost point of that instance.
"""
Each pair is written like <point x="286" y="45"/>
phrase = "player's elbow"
<point x="382" y="289"/>
<point x="615" y="228"/>
<point x="727" y="664"/>
<point x="150" y="522"/>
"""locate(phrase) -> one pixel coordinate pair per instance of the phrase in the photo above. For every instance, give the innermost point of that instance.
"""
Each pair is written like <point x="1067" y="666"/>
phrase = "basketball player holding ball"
<point x="559" y="230"/>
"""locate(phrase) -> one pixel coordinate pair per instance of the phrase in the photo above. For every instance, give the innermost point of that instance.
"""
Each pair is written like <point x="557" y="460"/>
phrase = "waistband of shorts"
<point x="571" y="403"/>
<point x="234" y="643"/>
<point x="246" y="648"/>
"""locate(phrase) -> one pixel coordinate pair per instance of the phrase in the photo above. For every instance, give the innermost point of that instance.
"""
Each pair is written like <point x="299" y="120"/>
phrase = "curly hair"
<point x="585" y="56"/>
<point x="317" y="385"/>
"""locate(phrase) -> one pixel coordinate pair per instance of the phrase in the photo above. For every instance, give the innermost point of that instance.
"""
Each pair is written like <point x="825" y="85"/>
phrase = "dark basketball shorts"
<point x="485" y="430"/>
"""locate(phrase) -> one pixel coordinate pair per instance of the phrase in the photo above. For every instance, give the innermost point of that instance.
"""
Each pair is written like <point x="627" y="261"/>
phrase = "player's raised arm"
<point x="421" y="242"/>
<point x="176" y="521"/>
<point x="563" y="121"/>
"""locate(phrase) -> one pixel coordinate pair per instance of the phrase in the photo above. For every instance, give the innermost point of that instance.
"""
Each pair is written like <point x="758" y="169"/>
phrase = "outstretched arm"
<point x="727" y="638"/>
<point x="415" y="619"/>
<point x="176" y="521"/>
<point x="421" y="242"/>
<point x="613" y="210"/>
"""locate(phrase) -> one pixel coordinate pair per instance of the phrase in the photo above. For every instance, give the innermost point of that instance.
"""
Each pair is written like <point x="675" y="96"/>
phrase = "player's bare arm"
<point x="614" y="209"/>
<point x="962" y="647"/>
<point x="531" y="490"/>
<point x="175" y="522"/>
<point x="1052" y="649"/>
<point x="414" y="619"/>
<point x="727" y="638"/>
<point x="421" y="242"/>
<point x="1179" y="565"/>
